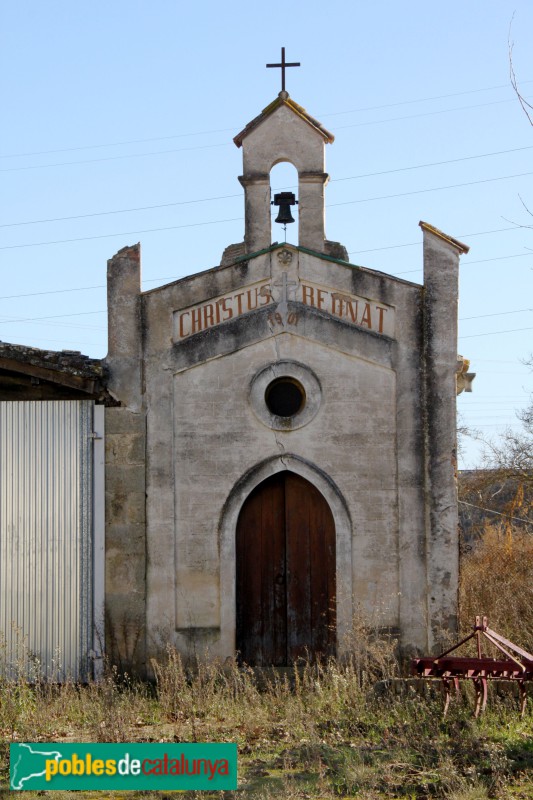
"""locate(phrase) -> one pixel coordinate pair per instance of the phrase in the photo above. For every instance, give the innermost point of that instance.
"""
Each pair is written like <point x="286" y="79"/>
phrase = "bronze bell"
<point x="284" y="200"/>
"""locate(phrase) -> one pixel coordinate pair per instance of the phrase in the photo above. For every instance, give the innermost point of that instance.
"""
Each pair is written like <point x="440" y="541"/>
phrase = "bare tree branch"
<point x="526" y="107"/>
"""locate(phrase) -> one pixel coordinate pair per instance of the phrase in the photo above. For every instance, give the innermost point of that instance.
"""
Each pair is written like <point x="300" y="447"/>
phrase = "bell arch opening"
<point x="284" y="181"/>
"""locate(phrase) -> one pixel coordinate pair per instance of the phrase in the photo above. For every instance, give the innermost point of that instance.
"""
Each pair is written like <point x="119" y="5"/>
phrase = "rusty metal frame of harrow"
<point x="517" y="667"/>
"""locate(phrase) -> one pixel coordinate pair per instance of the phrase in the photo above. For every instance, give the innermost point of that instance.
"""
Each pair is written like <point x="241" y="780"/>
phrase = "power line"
<point x="494" y="333"/>
<point x="421" y="100"/>
<point x="114" y="144"/>
<point x="422" y="114"/>
<point x="498" y="258"/>
<point x="226" y="130"/>
<point x="236" y="219"/>
<point x="227" y="144"/>
<point x="80" y="289"/>
<point x="8" y="321"/>
<point x="432" y="164"/>
<point x="123" y="233"/>
<point x="415" y="244"/>
<point x="469" y="263"/>
<point x="119" y="211"/>
<point x="502" y="401"/>
<point x="75" y="325"/>
<point x="113" y="158"/>
<point x="497" y="314"/>
<point x="432" y="189"/>
<point x="52" y="291"/>
<point x="13" y="320"/>
<point x="231" y="196"/>
<point x="498" y="513"/>
<point x="492" y="425"/>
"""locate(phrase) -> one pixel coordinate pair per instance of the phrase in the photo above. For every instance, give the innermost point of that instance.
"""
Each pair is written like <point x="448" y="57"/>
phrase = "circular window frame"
<point x="298" y="374"/>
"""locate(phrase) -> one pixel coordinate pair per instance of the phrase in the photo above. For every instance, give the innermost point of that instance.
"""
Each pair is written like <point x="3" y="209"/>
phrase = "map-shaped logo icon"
<point x="29" y="761"/>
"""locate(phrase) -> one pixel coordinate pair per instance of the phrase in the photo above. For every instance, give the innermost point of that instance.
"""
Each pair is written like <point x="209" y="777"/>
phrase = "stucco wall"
<point x="380" y="439"/>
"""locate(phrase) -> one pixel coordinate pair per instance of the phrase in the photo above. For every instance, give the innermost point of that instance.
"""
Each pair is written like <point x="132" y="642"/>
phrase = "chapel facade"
<point x="280" y="449"/>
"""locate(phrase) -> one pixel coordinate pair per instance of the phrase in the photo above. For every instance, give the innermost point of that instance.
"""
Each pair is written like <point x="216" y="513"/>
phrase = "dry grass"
<point x="316" y="732"/>
<point x="349" y="729"/>
<point x="497" y="581"/>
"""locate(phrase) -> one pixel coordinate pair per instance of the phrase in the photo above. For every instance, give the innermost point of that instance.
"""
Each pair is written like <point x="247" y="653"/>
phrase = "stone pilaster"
<point x="441" y="275"/>
<point x="257" y="223"/>
<point x="125" y="488"/>
<point x="124" y="326"/>
<point x="125" y="467"/>
<point x="311" y="212"/>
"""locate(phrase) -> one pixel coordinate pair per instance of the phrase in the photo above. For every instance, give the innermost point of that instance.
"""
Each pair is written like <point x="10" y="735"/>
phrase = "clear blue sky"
<point x="109" y="106"/>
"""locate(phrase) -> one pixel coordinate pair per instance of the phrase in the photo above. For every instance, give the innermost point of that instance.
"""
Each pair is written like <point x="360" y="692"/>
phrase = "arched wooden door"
<point x="285" y="573"/>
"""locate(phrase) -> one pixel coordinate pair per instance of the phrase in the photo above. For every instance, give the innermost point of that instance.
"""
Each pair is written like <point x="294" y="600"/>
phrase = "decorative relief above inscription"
<point x="284" y="257"/>
<point x="360" y="311"/>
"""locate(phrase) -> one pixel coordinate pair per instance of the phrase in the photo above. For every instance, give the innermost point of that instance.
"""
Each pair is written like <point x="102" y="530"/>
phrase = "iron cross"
<point x="283" y="66"/>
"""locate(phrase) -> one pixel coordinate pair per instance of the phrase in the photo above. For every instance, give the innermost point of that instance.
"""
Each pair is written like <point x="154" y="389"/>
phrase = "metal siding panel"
<point x="46" y="535"/>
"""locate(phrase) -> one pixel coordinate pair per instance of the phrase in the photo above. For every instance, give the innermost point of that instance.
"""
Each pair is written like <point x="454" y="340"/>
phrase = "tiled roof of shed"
<point x="67" y="368"/>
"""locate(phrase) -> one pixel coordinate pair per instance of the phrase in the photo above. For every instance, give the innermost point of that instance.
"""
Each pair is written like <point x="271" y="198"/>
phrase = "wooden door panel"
<point x="249" y="611"/>
<point x="297" y="521"/>
<point x="261" y="600"/>
<point x="285" y="546"/>
<point x="273" y="594"/>
<point x="311" y="569"/>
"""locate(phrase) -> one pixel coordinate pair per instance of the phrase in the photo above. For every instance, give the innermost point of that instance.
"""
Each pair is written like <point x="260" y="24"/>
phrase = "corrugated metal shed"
<point x="46" y="538"/>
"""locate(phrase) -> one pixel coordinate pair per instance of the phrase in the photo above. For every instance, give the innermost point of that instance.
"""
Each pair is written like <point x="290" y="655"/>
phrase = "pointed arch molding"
<point x="228" y="526"/>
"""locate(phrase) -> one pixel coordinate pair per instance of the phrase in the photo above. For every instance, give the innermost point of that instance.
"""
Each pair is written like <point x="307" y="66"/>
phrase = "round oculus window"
<point x="285" y="397"/>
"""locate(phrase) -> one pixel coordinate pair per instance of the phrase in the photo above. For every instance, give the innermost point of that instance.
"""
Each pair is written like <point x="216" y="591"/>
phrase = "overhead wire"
<point x="423" y="99"/>
<point x="227" y="144"/>
<point x="122" y="233"/>
<point x="52" y="316"/>
<point x="422" y="114"/>
<point x="174" y="277"/>
<point x="494" y="333"/>
<point x="239" y="194"/>
<point x="469" y="263"/>
<point x="416" y="244"/>
<point x="119" y="211"/>
<point x="112" y="158"/>
<point x="432" y="164"/>
<point x="431" y="189"/>
<point x="9" y="320"/>
<point x="496" y="314"/>
<point x="226" y="130"/>
<point x="237" y="219"/>
<point x="498" y="513"/>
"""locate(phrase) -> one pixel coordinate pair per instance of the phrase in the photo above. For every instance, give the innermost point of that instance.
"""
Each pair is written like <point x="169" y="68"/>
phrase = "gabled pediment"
<point x="297" y="110"/>
<point x="281" y="290"/>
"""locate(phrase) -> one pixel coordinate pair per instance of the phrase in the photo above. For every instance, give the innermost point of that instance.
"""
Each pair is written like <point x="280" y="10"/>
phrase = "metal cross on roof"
<point x="283" y="66"/>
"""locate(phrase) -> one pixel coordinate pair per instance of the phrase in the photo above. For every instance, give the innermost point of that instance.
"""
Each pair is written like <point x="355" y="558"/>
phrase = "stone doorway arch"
<point x="343" y="543"/>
